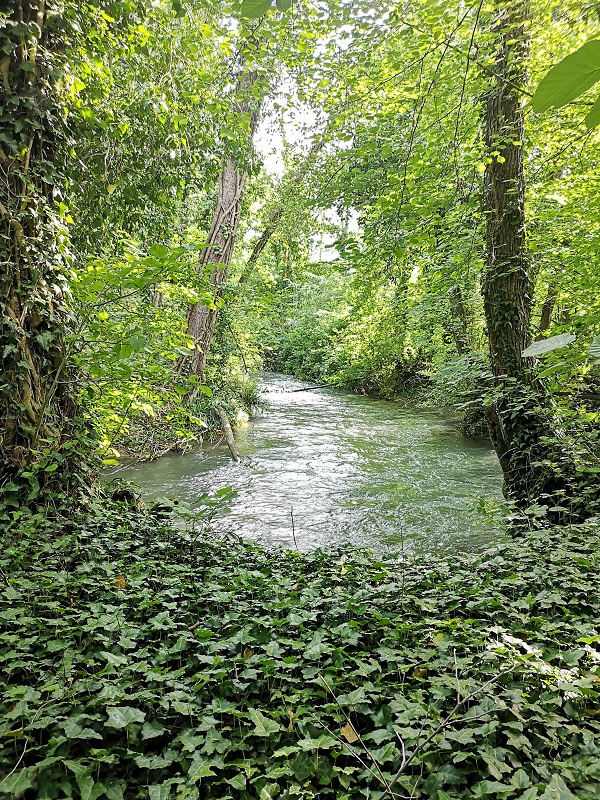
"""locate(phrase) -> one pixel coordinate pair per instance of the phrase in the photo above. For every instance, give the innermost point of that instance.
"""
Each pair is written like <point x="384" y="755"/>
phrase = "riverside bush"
<point x="139" y="660"/>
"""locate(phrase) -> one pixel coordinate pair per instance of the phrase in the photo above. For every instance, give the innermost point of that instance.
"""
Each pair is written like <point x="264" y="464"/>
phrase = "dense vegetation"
<point x="148" y="662"/>
<point x="426" y="224"/>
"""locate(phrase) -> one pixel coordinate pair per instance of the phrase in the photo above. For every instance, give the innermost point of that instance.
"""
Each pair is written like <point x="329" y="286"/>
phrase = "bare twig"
<point x="450" y="718"/>
<point x="293" y="527"/>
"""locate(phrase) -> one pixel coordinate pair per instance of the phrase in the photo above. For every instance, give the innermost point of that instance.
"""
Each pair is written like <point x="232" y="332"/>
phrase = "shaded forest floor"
<point x="144" y="661"/>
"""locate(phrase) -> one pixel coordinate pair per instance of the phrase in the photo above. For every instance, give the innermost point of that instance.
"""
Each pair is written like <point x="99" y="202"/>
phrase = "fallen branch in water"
<point x="235" y="453"/>
<point x="309" y="388"/>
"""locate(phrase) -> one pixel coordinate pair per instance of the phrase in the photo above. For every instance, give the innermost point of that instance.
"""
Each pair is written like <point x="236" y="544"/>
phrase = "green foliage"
<point x="569" y="79"/>
<point x="149" y="660"/>
<point x="548" y="345"/>
<point x="128" y="344"/>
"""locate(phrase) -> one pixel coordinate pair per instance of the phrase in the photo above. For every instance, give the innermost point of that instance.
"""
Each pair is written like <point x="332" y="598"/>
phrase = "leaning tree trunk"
<point x="218" y="250"/>
<point x="292" y="184"/>
<point x="38" y="408"/>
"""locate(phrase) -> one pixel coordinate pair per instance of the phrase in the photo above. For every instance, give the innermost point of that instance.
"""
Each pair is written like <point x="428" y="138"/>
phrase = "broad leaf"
<point x="238" y="782"/>
<point x="253" y="9"/>
<point x="547" y="345"/>
<point x="264" y="725"/>
<point x="121" y="716"/>
<point x="592" y="118"/>
<point x="570" y="78"/>
<point x="199" y="768"/>
<point x="152" y="729"/>
<point x="594" y="349"/>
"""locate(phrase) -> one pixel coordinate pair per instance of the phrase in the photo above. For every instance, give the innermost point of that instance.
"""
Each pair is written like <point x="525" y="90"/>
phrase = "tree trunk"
<point x="547" y="310"/>
<point x="216" y="256"/>
<point x="459" y="321"/>
<point x="540" y="466"/>
<point x="38" y="407"/>
<point x="228" y="433"/>
<point x="515" y="423"/>
<point x="295" y="180"/>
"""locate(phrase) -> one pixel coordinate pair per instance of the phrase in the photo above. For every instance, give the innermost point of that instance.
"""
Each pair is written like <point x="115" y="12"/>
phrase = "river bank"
<point x="165" y="663"/>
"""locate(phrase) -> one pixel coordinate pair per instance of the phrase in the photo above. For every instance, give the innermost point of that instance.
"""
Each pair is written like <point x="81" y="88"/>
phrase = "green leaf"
<point x="264" y="725"/>
<point x="137" y="342"/>
<point x="561" y="366"/>
<point x="547" y="345"/>
<point x="199" y="769"/>
<point x="324" y="742"/>
<point x="238" y="782"/>
<point x="557" y="789"/>
<point x="270" y="791"/>
<point x="284" y="5"/>
<point x="252" y="9"/>
<point x="570" y="78"/>
<point x="83" y="776"/>
<point x="18" y="782"/>
<point x="285" y="751"/>
<point x="124" y="351"/>
<point x="520" y="779"/>
<point x="592" y="118"/>
<point x="122" y="716"/>
<point x="594" y="348"/>
<point x="160" y="791"/>
<point x="152" y="729"/>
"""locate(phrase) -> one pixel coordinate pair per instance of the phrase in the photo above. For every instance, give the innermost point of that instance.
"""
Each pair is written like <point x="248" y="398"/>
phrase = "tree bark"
<point x="460" y="321"/>
<point x="547" y="310"/>
<point x="229" y="438"/>
<point x="216" y="256"/>
<point x="539" y="463"/>
<point x="509" y="281"/>
<point x="38" y="406"/>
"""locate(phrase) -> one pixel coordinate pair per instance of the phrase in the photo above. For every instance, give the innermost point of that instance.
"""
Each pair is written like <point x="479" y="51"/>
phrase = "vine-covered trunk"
<point x="541" y="472"/>
<point x="218" y="250"/>
<point x="38" y="407"/>
<point x="517" y="419"/>
<point x="508" y="281"/>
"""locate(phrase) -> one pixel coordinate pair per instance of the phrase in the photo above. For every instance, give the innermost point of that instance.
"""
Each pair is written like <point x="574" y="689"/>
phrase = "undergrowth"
<point x="138" y="661"/>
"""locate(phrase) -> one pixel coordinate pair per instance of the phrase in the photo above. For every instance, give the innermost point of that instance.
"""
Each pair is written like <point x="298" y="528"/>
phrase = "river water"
<point x="344" y="469"/>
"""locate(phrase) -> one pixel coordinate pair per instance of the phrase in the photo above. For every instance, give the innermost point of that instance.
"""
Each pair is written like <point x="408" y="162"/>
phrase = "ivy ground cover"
<point x="140" y="661"/>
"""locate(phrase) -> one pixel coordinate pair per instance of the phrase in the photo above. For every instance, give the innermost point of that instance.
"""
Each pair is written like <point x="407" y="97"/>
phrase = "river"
<point x="327" y="467"/>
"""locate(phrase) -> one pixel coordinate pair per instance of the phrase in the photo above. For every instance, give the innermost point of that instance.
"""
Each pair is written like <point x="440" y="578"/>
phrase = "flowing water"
<point x="327" y="467"/>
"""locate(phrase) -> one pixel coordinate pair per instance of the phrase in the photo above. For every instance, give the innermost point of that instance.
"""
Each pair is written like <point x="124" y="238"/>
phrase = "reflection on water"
<point x="352" y="470"/>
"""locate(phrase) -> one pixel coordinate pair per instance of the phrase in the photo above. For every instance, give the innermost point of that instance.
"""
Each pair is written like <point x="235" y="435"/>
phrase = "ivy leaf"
<point x="349" y="733"/>
<point x="199" y="769"/>
<point x="83" y="776"/>
<point x="570" y="78"/>
<point x="152" y="729"/>
<point x="253" y="9"/>
<point x="238" y="782"/>
<point x="547" y="345"/>
<point x="122" y="716"/>
<point x="160" y="791"/>
<point x="557" y="789"/>
<point x="264" y="725"/>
